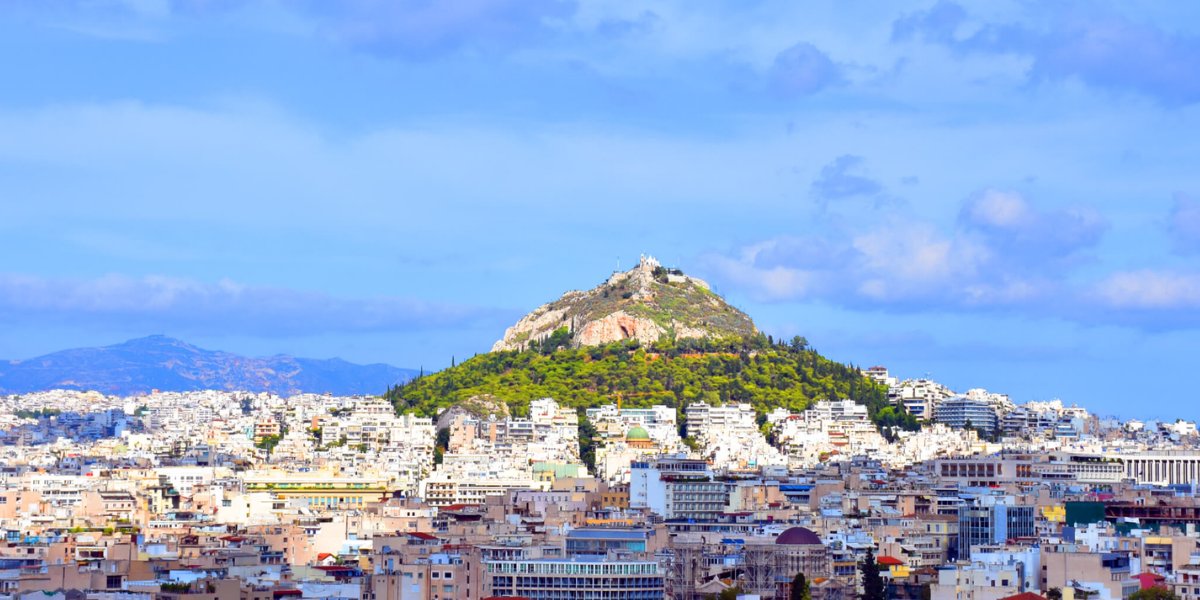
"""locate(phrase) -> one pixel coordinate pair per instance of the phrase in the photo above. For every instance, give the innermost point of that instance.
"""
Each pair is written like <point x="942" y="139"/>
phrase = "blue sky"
<point x="1000" y="194"/>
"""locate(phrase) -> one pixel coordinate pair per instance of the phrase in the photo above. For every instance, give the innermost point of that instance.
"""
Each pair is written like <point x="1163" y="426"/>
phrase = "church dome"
<point x="798" y="536"/>
<point x="637" y="433"/>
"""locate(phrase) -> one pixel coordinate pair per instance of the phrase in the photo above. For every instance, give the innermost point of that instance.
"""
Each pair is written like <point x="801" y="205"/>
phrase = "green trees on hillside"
<point x="37" y="414"/>
<point x="755" y="369"/>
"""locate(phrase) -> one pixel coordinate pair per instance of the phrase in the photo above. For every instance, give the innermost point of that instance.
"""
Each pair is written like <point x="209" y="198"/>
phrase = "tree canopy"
<point x="1154" y="593"/>
<point x="755" y="369"/>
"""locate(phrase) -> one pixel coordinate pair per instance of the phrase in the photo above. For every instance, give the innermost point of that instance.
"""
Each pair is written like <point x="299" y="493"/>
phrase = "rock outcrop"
<point x="483" y="407"/>
<point x="619" y="326"/>
<point x="646" y="303"/>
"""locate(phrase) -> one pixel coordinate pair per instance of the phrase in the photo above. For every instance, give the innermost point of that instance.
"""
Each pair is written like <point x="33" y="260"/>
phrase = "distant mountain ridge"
<point x="167" y="364"/>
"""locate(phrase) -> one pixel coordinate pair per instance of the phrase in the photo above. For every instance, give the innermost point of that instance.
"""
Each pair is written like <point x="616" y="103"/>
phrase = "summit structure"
<point x="646" y="303"/>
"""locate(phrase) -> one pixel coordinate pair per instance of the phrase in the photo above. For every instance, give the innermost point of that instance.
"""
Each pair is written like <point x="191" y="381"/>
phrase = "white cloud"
<point x="998" y="209"/>
<point x="1148" y="289"/>
<point x="157" y="303"/>
<point x="1004" y="255"/>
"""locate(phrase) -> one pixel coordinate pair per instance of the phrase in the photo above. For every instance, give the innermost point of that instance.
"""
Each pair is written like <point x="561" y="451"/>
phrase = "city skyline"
<point x="599" y="300"/>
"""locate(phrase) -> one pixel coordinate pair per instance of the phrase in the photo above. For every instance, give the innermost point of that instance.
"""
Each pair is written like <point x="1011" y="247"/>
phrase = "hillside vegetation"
<point x="754" y="369"/>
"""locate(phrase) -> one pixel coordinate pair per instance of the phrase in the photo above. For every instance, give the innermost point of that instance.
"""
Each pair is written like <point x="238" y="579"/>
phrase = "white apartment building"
<point x="880" y="375"/>
<point x="442" y="490"/>
<point x="729" y="417"/>
<point x="920" y="397"/>
<point x="659" y="421"/>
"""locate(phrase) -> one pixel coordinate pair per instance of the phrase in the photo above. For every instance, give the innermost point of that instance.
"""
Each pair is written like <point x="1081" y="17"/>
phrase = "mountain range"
<point x="167" y="364"/>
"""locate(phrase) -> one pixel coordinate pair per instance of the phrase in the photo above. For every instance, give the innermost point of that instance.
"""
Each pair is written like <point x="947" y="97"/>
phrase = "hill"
<point x="159" y="362"/>
<point x="675" y="372"/>
<point x="647" y="303"/>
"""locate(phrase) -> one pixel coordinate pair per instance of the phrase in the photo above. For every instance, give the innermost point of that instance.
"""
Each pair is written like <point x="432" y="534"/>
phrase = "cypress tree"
<point x="873" y="588"/>
<point x="800" y="589"/>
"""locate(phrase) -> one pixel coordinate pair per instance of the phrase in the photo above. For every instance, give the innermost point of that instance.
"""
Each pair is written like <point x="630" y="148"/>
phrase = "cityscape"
<point x="232" y="494"/>
<point x="599" y="300"/>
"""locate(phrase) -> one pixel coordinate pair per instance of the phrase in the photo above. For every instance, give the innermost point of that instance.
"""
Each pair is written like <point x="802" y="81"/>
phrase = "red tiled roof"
<point x="459" y="506"/>
<point x="889" y="560"/>
<point x="422" y="536"/>
<point x="1025" y="596"/>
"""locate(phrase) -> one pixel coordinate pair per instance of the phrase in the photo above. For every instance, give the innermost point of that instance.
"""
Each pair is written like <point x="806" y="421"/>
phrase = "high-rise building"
<point x="960" y="411"/>
<point x="993" y="520"/>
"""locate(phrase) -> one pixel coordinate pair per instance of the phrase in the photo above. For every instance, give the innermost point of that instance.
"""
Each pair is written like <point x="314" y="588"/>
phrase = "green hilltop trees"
<point x="676" y="372"/>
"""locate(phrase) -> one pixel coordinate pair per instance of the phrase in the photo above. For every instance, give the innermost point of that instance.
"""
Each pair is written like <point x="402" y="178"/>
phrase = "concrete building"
<point x="599" y="541"/>
<point x="730" y="417"/>
<point x="1163" y="468"/>
<point x="1108" y="574"/>
<point x="990" y="520"/>
<point x="695" y="500"/>
<point x="959" y="411"/>
<point x="573" y="579"/>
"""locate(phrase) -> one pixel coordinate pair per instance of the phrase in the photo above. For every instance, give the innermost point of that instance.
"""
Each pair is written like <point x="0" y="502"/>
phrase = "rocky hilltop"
<point x="646" y="303"/>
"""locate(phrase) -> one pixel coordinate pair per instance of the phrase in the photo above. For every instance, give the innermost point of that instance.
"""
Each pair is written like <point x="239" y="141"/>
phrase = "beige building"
<point x="1064" y="565"/>
<point x="976" y="582"/>
<point x="266" y="428"/>
<point x="318" y="489"/>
